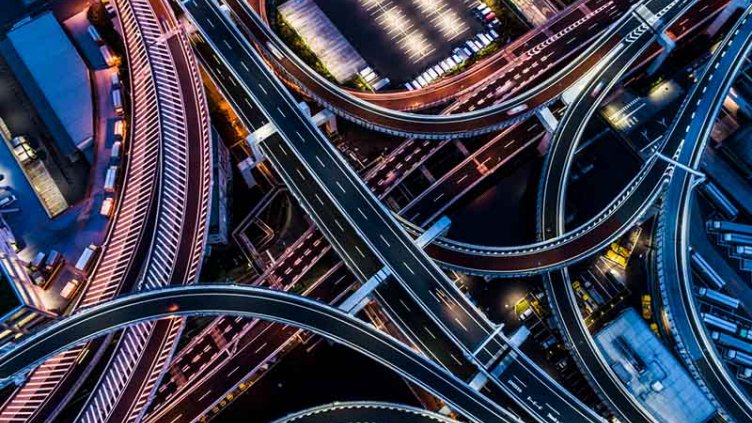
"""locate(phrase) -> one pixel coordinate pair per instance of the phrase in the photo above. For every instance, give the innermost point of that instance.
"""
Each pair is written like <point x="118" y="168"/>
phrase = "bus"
<point x="718" y="298"/>
<point x="86" y="259"/>
<point x="711" y="276"/>
<point x="720" y="200"/>
<point x="719" y="323"/>
<point x="725" y="226"/>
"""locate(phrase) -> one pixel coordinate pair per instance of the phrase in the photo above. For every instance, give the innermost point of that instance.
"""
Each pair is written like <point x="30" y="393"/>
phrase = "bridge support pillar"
<point x="355" y="302"/>
<point x="548" y="119"/>
<point x="436" y="230"/>
<point x="656" y="25"/>
<point x="327" y="119"/>
<point x="324" y="117"/>
<point x="484" y="375"/>
<point x="427" y="173"/>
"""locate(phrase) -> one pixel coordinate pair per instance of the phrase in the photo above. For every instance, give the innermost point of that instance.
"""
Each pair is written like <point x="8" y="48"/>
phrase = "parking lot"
<point x="399" y="38"/>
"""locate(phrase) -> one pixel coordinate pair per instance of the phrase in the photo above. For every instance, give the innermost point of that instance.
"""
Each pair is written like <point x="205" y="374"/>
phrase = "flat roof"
<point x="650" y="372"/>
<point x="58" y="71"/>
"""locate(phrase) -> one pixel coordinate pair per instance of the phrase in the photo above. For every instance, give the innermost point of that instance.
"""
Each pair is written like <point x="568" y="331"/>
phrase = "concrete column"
<point x="656" y="25"/>
<point x="548" y="119"/>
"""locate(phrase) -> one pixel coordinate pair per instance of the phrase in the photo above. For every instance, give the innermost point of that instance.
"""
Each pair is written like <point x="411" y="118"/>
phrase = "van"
<point x="86" y="260"/>
<point x="70" y="289"/>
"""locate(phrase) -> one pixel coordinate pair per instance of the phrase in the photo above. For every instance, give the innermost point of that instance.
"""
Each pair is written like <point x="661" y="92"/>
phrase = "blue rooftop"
<point x="59" y="73"/>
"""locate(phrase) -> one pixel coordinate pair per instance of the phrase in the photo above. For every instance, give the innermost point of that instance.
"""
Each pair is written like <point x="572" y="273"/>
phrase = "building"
<point x="219" y="215"/>
<point x="650" y="372"/>
<point x="22" y="308"/>
<point x="38" y="52"/>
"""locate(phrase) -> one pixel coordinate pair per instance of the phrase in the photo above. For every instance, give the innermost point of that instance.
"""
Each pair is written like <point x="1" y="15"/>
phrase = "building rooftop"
<point x="46" y="53"/>
<point x="650" y="372"/>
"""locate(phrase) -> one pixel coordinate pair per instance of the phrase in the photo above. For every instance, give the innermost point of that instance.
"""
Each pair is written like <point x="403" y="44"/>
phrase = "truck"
<point x="115" y="153"/>
<point x="117" y="101"/>
<point x="38" y="261"/>
<point x="108" y="56"/>
<point x="110" y="179"/>
<point x="119" y="130"/>
<point x="647" y="309"/>
<point x="108" y="205"/>
<point x="86" y="260"/>
<point x="54" y="260"/>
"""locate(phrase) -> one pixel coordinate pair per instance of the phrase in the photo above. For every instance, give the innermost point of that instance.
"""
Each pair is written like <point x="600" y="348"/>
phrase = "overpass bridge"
<point x="638" y="35"/>
<point x="694" y="345"/>
<point x="364" y="411"/>
<point x="246" y="301"/>
<point x="460" y="123"/>
<point x="366" y="237"/>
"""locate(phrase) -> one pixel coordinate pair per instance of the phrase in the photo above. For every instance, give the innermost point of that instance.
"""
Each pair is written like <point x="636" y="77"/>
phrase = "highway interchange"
<point x="458" y="344"/>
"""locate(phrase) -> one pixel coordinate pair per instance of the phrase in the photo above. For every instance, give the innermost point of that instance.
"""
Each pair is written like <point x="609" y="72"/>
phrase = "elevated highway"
<point x="461" y="122"/>
<point x="562" y="299"/>
<point x="178" y="241"/>
<point x="261" y="303"/>
<point x="368" y="239"/>
<point x="677" y="294"/>
<point x="364" y="411"/>
<point x="556" y="252"/>
<point x="158" y="229"/>
<point x="573" y="26"/>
